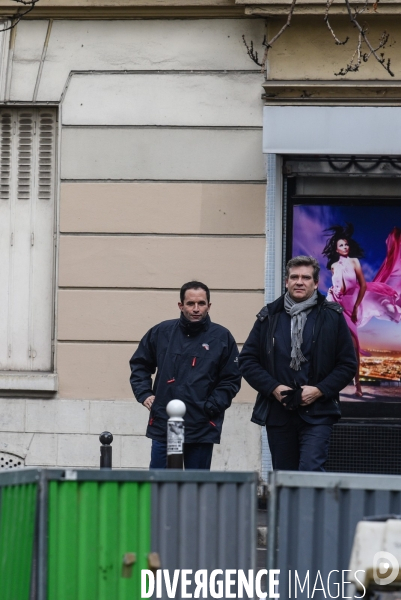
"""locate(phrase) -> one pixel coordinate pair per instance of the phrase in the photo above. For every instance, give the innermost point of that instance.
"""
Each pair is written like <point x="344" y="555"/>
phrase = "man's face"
<point x="195" y="306"/>
<point x="300" y="284"/>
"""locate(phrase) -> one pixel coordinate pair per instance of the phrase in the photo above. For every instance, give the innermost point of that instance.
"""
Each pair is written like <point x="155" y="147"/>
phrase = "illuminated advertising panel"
<point x="358" y="246"/>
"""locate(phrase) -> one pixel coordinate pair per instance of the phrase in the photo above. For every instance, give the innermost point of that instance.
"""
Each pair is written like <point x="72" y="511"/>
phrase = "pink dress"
<point x="390" y="271"/>
<point x="381" y="300"/>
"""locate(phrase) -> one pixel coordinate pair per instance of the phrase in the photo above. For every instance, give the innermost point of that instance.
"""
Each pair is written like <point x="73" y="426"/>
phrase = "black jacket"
<point x="199" y="367"/>
<point x="333" y="361"/>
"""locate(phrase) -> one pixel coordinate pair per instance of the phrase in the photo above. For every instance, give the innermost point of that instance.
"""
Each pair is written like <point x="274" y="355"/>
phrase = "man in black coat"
<point x="196" y="362"/>
<point x="299" y="356"/>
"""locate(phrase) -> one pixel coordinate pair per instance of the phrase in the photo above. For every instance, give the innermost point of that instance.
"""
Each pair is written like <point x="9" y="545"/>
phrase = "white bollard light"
<point x="175" y="434"/>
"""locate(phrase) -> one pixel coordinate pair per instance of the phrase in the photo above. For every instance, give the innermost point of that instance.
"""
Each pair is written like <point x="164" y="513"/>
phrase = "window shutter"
<point x="5" y="160"/>
<point x="26" y="124"/>
<point x="27" y="203"/>
<point x="6" y="240"/>
<point x="46" y="155"/>
<point x="43" y="242"/>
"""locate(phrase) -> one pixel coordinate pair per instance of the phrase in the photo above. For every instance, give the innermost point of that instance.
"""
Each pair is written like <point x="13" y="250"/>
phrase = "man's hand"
<point x="278" y="390"/>
<point x="310" y="393"/>
<point x="148" y="402"/>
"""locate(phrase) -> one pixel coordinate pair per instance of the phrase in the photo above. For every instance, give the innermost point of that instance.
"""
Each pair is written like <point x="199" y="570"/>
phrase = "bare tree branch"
<point x="352" y="66"/>
<point x="284" y="27"/>
<point x="358" y="57"/>
<point x="326" y="20"/>
<point x="20" y="15"/>
<point x="382" y="41"/>
<point x="253" y="54"/>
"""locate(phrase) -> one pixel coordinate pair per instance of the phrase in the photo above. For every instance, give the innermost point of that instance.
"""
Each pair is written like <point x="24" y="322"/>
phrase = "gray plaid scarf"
<point x="298" y="312"/>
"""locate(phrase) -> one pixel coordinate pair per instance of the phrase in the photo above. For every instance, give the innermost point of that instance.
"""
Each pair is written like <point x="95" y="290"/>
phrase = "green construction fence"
<point x="86" y="535"/>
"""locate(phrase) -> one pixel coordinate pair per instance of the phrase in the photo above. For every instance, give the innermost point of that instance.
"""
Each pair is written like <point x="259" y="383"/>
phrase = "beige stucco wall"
<point x="114" y="287"/>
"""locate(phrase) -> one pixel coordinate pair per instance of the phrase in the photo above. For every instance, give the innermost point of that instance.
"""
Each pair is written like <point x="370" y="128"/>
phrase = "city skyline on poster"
<point x="377" y="328"/>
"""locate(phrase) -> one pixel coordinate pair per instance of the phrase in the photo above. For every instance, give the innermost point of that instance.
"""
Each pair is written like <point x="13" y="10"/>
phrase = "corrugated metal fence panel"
<point x="205" y="523"/>
<point x="87" y="520"/>
<point x="312" y="521"/>
<point x="18" y="502"/>
<point x="92" y="524"/>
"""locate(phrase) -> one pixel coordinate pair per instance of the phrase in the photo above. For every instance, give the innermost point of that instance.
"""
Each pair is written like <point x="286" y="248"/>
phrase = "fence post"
<point x="106" y="450"/>
<point x="175" y="434"/>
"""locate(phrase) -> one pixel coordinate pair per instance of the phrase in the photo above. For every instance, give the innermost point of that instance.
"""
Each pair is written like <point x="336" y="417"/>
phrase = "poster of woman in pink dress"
<point x="359" y="250"/>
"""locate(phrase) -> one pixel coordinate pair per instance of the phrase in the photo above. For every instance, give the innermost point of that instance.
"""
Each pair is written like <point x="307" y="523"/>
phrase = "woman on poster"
<point x="363" y="300"/>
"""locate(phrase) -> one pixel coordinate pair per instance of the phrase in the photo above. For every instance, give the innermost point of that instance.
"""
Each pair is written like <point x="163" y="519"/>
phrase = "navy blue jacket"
<point x="332" y="365"/>
<point x="199" y="367"/>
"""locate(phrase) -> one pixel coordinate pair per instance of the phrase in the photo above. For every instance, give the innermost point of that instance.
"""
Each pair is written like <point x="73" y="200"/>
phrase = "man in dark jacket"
<point x="299" y="356"/>
<point x="196" y="362"/>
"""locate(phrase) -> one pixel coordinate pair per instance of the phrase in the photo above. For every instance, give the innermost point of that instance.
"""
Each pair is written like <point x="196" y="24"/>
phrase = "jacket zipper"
<point x="172" y="380"/>
<point x="314" y="341"/>
<point x="270" y="354"/>
<point x="314" y="324"/>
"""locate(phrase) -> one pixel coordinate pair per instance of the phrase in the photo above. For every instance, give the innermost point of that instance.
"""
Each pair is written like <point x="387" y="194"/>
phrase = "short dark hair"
<point x="194" y="285"/>
<point x="303" y="261"/>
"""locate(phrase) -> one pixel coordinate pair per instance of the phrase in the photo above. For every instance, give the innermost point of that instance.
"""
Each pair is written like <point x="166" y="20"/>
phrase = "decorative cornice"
<point x="149" y="9"/>
<point x="333" y="92"/>
<point x="268" y="8"/>
<point x="128" y="9"/>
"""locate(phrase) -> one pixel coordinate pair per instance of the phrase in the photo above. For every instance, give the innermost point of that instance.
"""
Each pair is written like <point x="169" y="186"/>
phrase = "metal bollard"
<point x="175" y="434"/>
<point x="106" y="450"/>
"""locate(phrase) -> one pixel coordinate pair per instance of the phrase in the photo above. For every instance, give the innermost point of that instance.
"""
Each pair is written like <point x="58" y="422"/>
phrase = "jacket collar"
<point x="278" y="305"/>
<point x="193" y="328"/>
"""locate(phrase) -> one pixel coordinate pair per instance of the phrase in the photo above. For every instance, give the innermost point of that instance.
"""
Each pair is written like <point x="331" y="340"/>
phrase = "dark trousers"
<point x="298" y="445"/>
<point x="196" y="456"/>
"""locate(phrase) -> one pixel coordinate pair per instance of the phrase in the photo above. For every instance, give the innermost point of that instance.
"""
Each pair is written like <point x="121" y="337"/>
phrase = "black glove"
<point x="291" y="398"/>
<point x="210" y="410"/>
